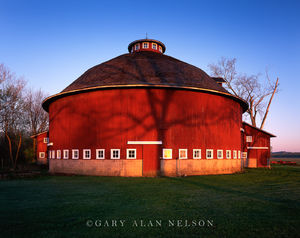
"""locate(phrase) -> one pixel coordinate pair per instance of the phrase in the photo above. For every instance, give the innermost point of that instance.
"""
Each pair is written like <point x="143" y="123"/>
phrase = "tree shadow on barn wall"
<point x="91" y="119"/>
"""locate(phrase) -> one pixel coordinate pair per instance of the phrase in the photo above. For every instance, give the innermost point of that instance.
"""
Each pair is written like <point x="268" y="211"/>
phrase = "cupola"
<point x="147" y="45"/>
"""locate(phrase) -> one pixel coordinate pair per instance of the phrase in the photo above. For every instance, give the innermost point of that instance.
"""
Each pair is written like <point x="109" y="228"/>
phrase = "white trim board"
<point x="144" y="142"/>
<point x="258" y="148"/>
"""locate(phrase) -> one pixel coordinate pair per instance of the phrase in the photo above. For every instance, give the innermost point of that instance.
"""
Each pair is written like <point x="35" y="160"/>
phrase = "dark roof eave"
<point x="54" y="97"/>
<point x="35" y="135"/>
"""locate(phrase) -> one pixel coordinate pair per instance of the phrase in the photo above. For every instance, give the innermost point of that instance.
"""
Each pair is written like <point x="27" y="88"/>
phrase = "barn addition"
<point x="40" y="143"/>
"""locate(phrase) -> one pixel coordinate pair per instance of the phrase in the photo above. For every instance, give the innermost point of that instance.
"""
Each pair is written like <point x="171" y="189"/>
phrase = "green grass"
<point x="257" y="203"/>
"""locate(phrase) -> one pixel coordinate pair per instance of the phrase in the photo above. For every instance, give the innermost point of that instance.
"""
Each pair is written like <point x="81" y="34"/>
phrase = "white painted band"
<point x="258" y="148"/>
<point x="144" y="142"/>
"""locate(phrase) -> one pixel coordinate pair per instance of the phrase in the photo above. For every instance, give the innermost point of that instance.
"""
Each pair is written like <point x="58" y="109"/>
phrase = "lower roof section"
<point x="258" y="129"/>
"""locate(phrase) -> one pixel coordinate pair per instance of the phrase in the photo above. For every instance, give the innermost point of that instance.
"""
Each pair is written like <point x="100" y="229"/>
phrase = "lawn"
<point x="257" y="203"/>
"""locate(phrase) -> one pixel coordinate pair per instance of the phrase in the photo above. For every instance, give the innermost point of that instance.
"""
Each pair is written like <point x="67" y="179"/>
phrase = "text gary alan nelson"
<point x="150" y="223"/>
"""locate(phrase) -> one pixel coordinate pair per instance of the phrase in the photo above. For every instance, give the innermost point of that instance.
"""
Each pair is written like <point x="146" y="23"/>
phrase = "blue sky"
<point x="51" y="43"/>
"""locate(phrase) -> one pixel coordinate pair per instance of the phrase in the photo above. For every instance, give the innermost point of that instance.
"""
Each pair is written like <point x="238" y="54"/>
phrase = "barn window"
<point x="53" y="154"/>
<point x="239" y="154"/>
<point x="137" y="46"/>
<point x="100" y="154"/>
<point x="167" y="153"/>
<point x="228" y="154"/>
<point x="75" y="154"/>
<point x="45" y="140"/>
<point x="183" y="153"/>
<point x="196" y="154"/>
<point x="115" y="153"/>
<point x="244" y="155"/>
<point x="220" y="154"/>
<point x="209" y="154"/>
<point x="131" y="153"/>
<point x="49" y="154"/>
<point x="86" y="154"/>
<point x="154" y="46"/>
<point x="248" y="138"/>
<point x="42" y="155"/>
<point x="66" y="154"/>
<point x="145" y="45"/>
<point x="234" y="154"/>
<point x="58" y="154"/>
<point x="160" y="49"/>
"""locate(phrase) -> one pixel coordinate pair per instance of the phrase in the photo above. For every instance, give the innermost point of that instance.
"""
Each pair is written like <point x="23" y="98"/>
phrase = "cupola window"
<point x="145" y="45"/>
<point x="154" y="46"/>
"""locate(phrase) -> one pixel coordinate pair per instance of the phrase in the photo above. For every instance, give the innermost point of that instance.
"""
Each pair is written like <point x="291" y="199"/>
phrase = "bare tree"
<point x="259" y="95"/>
<point x="37" y="117"/>
<point x="12" y="122"/>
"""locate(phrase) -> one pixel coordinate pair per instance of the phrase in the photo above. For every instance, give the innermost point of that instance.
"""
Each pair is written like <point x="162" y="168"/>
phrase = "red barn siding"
<point x="260" y="141"/>
<point x="41" y="146"/>
<point x="181" y="119"/>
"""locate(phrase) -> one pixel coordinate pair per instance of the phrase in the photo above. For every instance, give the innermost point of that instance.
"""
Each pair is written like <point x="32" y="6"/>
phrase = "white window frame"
<point x="97" y="153"/>
<point x="146" y="43"/>
<point x="196" y="157"/>
<point x="164" y="157"/>
<point x="220" y="157"/>
<point x="160" y="48"/>
<point x="212" y="153"/>
<point x="228" y="152"/>
<point x="112" y="154"/>
<point x="53" y="154"/>
<point x="239" y="154"/>
<point x="154" y="44"/>
<point x="58" y="154"/>
<point x="136" y="46"/>
<point x="65" y="154"/>
<point x="234" y="154"/>
<point x="42" y="155"/>
<point x="127" y="154"/>
<point x="46" y="140"/>
<point x="186" y="154"/>
<point x="84" y="154"/>
<point x="249" y="139"/>
<point x="73" y="154"/>
<point x="244" y="155"/>
<point x="49" y="154"/>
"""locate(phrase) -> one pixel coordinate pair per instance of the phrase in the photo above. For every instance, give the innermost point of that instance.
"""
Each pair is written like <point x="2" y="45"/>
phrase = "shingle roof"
<point x="143" y="69"/>
<point x="147" y="68"/>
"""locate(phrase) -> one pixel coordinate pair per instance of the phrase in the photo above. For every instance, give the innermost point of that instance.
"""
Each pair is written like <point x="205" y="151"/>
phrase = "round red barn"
<point x="145" y="114"/>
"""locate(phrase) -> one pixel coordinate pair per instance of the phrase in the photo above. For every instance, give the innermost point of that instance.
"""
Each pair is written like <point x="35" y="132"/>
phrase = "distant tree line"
<point x="21" y="116"/>
<point x="284" y="154"/>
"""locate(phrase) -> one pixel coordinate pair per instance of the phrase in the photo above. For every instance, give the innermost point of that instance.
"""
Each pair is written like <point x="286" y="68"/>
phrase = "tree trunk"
<point x="267" y="110"/>
<point x="10" y="149"/>
<point x="18" y="150"/>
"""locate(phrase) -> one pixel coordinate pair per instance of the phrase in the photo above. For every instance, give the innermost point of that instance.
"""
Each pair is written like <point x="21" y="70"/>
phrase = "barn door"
<point x="151" y="160"/>
<point x="263" y="157"/>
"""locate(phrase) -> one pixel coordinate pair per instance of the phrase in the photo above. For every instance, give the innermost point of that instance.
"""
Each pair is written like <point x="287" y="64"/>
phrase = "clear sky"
<point x="51" y="43"/>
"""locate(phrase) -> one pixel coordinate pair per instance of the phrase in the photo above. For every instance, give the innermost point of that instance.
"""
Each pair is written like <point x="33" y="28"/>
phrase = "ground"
<point x="257" y="203"/>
